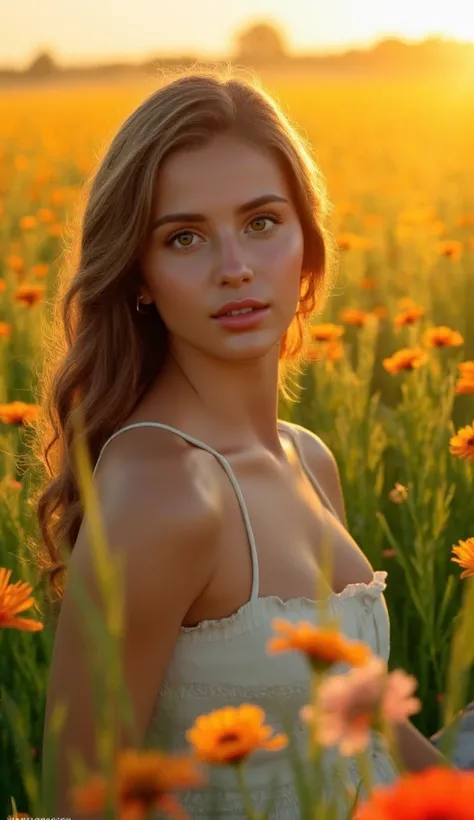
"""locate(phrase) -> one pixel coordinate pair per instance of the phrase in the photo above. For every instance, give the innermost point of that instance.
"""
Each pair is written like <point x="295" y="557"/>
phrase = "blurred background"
<point x="83" y="38"/>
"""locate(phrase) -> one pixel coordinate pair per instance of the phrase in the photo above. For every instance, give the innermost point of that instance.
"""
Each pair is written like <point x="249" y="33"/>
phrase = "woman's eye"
<point x="186" y="235"/>
<point x="259" y="222"/>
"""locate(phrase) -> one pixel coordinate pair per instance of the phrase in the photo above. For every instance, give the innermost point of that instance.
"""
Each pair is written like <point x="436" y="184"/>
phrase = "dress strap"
<point x="324" y="498"/>
<point x="197" y="443"/>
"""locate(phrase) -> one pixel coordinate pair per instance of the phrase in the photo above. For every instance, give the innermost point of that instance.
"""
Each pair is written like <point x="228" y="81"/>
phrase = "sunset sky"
<point x="79" y="31"/>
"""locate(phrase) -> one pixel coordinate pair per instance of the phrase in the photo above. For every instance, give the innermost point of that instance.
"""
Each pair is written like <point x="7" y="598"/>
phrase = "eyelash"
<point x="277" y="220"/>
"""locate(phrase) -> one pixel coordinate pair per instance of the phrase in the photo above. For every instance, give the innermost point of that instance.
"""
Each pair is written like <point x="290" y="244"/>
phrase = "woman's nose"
<point x="232" y="264"/>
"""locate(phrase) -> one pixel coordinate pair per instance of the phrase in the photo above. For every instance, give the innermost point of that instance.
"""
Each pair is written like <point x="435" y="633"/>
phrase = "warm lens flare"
<point x="15" y="598"/>
<point x="230" y="735"/>
<point x="434" y="794"/>
<point x="322" y="647"/>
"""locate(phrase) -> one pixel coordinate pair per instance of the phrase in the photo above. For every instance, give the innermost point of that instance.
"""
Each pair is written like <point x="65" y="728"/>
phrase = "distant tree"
<point x="261" y="42"/>
<point x="43" y="65"/>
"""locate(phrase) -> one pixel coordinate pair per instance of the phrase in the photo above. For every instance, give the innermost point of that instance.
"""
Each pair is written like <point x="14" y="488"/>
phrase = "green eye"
<point x="259" y="221"/>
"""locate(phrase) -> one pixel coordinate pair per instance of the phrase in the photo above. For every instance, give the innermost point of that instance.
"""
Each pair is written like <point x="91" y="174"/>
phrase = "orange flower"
<point x="322" y="647"/>
<point x="3" y="286"/>
<point x="45" y="215"/>
<point x="466" y="369"/>
<point x="15" y="598"/>
<point x="450" y="248"/>
<point x="408" y="358"/>
<point x="406" y="303"/>
<point x="352" y="241"/>
<point x="230" y="735"/>
<point x="367" y="283"/>
<point x="462" y="444"/>
<point x="465" y="387"/>
<point x="464" y="553"/>
<point x="55" y="229"/>
<point x="329" y="352"/>
<point x="29" y="294"/>
<point x="409" y="316"/>
<point x="142" y="781"/>
<point x="5" y="330"/>
<point x="399" y="494"/>
<point x="380" y="311"/>
<point x="28" y="222"/>
<point x="17" y="412"/>
<point x="354" y="316"/>
<point x="40" y="271"/>
<point x="327" y="332"/>
<point x="442" y="337"/>
<point x="437" y="792"/>
<point x="15" y="263"/>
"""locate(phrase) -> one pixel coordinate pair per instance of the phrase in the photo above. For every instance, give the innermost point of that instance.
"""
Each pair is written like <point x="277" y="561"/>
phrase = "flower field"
<point x="389" y="385"/>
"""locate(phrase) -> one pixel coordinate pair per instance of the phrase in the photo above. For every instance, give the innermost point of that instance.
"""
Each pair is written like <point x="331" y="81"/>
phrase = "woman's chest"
<point x="274" y="524"/>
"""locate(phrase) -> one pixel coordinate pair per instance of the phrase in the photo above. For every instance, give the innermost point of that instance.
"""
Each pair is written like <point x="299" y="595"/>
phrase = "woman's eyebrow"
<point x="189" y="217"/>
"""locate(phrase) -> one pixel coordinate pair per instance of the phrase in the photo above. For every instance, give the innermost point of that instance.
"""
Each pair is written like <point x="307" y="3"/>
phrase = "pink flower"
<point x="348" y="706"/>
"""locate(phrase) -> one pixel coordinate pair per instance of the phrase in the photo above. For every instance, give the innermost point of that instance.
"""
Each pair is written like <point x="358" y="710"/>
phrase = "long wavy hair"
<point x="101" y="355"/>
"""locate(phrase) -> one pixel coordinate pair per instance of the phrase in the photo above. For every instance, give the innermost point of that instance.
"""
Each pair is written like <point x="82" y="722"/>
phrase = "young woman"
<point x="204" y="252"/>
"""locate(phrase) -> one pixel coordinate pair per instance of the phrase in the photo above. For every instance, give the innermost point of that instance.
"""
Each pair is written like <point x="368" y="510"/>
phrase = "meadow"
<point x="390" y="386"/>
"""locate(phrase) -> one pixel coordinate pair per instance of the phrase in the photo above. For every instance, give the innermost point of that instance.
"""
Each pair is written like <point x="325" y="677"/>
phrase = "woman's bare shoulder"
<point x="153" y="465"/>
<point x="322" y="463"/>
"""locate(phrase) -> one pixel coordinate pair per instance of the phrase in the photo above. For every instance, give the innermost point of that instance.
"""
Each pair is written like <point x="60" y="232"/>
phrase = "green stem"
<point x="247" y="800"/>
<point x="363" y="761"/>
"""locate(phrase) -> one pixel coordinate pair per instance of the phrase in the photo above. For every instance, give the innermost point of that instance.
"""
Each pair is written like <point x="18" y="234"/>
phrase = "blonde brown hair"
<point x="102" y="355"/>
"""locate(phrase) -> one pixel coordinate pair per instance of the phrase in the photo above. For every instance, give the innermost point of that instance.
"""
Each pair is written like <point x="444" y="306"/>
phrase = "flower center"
<point x="229" y="737"/>
<point x="146" y="793"/>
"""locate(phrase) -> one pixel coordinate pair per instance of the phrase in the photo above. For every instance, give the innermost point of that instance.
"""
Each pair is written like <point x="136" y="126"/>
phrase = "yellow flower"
<point x="442" y="337"/>
<point x="464" y="556"/>
<point x="15" y="598"/>
<point x="407" y="358"/>
<point x="462" y="444"/>
<point x="142" y="782"/>
<point x="230" y="735"/>
<point x="322" y="647"/>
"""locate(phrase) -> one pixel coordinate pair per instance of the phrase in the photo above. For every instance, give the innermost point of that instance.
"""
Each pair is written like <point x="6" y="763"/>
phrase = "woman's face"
<point x="210" y="246"/>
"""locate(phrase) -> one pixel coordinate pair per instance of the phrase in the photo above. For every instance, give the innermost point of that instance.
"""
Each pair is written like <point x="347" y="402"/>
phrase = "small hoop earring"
<point x="147" y="307"/>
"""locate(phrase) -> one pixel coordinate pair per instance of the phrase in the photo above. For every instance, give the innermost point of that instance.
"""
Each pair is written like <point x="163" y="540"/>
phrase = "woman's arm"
<point x="416" y="752"/>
